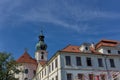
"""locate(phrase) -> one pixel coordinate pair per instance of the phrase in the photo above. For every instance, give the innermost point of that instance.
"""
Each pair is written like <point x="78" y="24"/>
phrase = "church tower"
<point x="41" y="53"/>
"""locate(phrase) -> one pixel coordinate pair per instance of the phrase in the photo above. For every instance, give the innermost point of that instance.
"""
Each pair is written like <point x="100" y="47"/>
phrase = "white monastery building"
<point x="88" y="61"/>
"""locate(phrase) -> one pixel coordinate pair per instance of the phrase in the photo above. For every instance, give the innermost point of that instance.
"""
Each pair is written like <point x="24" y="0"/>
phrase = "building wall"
<point x="84" y="69"/>
<point x="62" y="70"/>
<point x="22" y="75"/>
<point x="47" y="73"/>
<point x="114" y="50"/>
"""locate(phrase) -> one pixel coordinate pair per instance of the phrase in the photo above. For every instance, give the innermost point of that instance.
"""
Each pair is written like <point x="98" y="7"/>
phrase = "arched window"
<point x="26" y="71"/>
<point x="42" y="55"/>
<point x="86" y="48"/>
<point x="26" y="79"/>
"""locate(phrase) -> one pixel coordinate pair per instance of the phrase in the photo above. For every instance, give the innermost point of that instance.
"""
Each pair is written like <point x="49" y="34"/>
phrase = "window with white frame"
<point x="49" y="68"/>
<point x="52" y="66"/>
<point x="56" y="63"/>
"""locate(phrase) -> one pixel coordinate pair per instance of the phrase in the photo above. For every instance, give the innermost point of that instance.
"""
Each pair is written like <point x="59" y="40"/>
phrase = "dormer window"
<point x="109" y="51"/>
<point x="86" y="48"/>
<point x="118" y="52"/>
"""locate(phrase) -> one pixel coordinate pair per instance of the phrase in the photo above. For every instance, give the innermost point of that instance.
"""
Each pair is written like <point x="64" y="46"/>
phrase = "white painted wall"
<point x="114" y="50"/>
<point x="95" y="69"/>
<point x="82" y="48"/>
<point x="62" y="69"/>
<point x="49" y="75"/>
<point x="38" y="55"/>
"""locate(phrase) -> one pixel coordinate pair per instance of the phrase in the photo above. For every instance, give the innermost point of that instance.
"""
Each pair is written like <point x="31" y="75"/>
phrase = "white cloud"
<point x="56" y="12"/>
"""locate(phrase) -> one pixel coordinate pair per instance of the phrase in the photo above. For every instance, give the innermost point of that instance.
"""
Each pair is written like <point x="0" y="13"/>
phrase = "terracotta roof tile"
<point x="71" y="48"/>
<point x="75" y="49"/>
<point x="94" y="51"/>
<point x="43" y="62"/>
<point x="26" y="58"/>
<point x="110" y="43"/>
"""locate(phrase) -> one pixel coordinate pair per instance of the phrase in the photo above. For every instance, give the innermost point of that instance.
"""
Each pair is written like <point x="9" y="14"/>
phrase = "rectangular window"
<point x="42" y="74"/>
<point x="52" y="78"/>
<point x="49" y="68"/>
<point x="80" y="76"/>
<point x="112" y="64"/>
<point x="97" y="77"/>
<point x="89" y="63"/>
<point x="68" y="60"/>
<point x="56" y="63"/>
<point x="109" y="51"/>
<point x="56" y="77"/>
<point x="69" y="76"/>
<point x="52" y="66"/>
<point x="100" y="62"/>
<point x="103" y="77"/>
<point x="78" y="61"/>
<point x="91" y="77"/>
<point x="118" y="52"/>
<point x="45" y="71"/>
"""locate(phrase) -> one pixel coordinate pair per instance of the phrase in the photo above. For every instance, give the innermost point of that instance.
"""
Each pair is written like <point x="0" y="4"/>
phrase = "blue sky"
<point x="63" y="22"/>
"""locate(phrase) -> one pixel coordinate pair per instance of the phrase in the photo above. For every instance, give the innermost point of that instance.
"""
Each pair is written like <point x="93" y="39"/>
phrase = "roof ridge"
<point x="65" y="47"/>
<point x="26" y="58"/>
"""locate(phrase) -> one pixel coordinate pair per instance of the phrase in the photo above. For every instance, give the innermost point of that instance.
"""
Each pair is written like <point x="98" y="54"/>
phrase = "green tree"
<point x="8" y="66"/>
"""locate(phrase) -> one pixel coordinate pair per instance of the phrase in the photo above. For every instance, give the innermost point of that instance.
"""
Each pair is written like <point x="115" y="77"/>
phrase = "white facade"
<point x="86" y="70"/>
<point x="50" y="70"/>
<point x="114" y="50"/>
<point x="41" y="55"/>
<point x="100" y="65"/>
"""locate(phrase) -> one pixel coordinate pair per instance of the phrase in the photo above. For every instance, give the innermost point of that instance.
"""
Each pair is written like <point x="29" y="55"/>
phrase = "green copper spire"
<point x="41" y="44"/>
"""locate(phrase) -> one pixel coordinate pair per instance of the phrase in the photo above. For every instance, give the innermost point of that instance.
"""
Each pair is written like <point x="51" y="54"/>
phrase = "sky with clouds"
<point x="63" y="22"/>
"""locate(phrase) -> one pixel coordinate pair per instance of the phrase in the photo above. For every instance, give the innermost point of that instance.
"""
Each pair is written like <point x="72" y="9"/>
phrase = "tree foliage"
<point x="8" y="66"/>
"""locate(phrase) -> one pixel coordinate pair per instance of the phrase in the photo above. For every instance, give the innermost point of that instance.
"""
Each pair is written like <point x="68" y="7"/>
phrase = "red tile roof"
<point x="43" y="62"/>
<point x="75" y="49"/>
<point x="71" y="48"/>
<point x="110" y="43"/>
<point x="26" y="58"/>
<point x="94" y="51"/>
